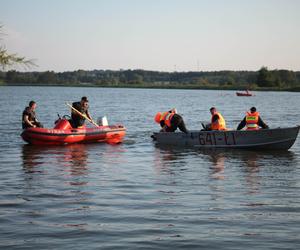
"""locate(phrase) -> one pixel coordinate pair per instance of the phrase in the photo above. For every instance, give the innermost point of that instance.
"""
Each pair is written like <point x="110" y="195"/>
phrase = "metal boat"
<point x="262" y="139"/>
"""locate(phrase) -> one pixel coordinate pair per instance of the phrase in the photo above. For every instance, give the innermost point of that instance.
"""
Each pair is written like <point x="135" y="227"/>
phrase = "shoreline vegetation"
<point x="261" y="80"/>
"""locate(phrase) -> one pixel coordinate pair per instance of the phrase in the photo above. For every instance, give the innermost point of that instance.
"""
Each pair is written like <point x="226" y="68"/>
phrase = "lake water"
<point x="137" y="195"/>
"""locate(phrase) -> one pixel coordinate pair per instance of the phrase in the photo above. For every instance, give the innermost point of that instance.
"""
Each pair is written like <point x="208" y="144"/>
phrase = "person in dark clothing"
<point x="176" y="122"/>
<point x="170" y="121"/>
<point x="252" y="121"/>
<point x="29" y="119"/>
<point x="82" y="106"/>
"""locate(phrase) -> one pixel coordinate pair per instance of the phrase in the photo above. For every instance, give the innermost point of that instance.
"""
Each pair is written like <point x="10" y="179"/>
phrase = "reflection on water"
<point x="168" y="160"/>
<point x="76" y="158"/>
<point x="218" y="165"/>
<point x="71" y="159"/>
<point x="218" y="160"/>
<point x="32" y="158"/>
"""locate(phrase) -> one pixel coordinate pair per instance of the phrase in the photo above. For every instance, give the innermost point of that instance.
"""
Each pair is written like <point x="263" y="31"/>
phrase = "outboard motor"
<point x="102" y="121"/>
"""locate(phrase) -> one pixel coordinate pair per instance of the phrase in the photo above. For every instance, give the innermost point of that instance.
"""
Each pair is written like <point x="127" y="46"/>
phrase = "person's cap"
<point x="157" y="117"/>
<point x="253" y="109"/>
<point x="84" y="99"/>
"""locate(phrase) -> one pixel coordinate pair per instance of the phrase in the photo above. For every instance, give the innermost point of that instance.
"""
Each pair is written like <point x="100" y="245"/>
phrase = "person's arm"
<point x="215" y="120"/>
<point x="162" y="123"/>
<point x="262" y="124"/>
<point x="242" y="124"/>
<point x="164" y="129"/>
<point x="88" y="114"/>
<point x="34" y="117"/>
<point x="26" y="120"/>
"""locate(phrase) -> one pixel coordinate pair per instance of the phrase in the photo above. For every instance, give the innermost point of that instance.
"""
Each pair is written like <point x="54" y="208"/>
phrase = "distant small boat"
<point x="246" y="93"/>
<point x="262" y="139"/>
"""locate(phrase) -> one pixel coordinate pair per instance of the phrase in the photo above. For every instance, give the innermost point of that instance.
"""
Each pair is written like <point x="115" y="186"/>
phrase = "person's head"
<point x="253" y="110"/>
<point x="32" y="105"/>
<point x="157" y="117"/>
<point x="174" y="110"/>
<point x="213" y="110"/>
<point x="84" y="101"/>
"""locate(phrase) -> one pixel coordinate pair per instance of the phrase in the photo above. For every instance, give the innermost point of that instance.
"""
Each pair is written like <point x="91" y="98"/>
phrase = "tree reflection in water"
<point x="70" y="159"/>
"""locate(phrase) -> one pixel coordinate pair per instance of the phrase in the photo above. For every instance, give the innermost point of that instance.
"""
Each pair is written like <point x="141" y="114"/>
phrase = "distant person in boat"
<point x="29" y="119"/>
<point x="82" y="106"/>
<point x="217" y="120"/>
<point x="170" y="121"/>
<point x="252" y="121"/>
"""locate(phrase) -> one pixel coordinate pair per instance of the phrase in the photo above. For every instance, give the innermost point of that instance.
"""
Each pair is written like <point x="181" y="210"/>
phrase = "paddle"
<point x="83" y="115"/>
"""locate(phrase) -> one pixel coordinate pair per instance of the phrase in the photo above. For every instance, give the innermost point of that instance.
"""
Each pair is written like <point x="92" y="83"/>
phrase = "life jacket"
<point x="252" y="121"/>
<point x="220" y="125"/>
<point x="168" y="119"/>
<point x="160" y="116"/>
<point x="163" y="116"/>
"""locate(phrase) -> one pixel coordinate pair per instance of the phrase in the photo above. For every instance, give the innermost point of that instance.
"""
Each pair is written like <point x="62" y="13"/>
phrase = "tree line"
<point x="263" y="78"/>
<point x="249" y="79"/>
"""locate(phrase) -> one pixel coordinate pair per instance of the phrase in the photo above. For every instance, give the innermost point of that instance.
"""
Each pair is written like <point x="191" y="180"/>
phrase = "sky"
<point x="163" y="35"/>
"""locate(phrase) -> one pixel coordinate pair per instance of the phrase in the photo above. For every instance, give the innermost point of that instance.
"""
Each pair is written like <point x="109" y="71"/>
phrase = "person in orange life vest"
<point x="252" y="121"/>
<point x="170" y="121"/>
<point x="217" y="120"/>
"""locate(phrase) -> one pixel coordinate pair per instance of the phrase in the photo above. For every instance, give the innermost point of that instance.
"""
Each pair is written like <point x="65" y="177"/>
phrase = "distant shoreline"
<point x="261" y="80"/>
<point x="155" y="86"/>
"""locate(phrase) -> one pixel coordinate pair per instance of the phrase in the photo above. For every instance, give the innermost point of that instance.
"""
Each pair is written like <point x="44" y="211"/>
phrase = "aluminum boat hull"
<point x="263" y="139"/>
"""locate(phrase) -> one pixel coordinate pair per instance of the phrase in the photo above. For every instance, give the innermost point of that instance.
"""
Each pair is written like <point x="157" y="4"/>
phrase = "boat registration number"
<point x="217" y="138"/>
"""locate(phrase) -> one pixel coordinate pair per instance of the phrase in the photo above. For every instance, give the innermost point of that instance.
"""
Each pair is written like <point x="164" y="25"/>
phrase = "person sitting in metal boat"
<point x="78" y="120"/>
<point x="217" y="120"/>
<point x="29" y="119"/>
<point x="252" y="121"/>
<point x="170" y="121"/>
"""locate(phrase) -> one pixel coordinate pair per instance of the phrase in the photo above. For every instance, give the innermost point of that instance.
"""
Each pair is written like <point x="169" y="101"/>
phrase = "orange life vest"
<point x="220" y="125"/>
<point x="163" y="116"/>
<point x="252" y="120"/>
<point x="168" y="118"/>
<point x="160" y="116"/>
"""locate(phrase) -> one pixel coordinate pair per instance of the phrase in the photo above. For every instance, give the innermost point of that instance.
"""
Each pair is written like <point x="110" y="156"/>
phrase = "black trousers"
<point x="75" y="123"/>
<point x="177" y="122"/>
<point x="37" y="124"/>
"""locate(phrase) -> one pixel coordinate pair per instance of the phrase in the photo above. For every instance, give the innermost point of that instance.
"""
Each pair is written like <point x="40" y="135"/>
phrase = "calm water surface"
<point x="140" y="196"/>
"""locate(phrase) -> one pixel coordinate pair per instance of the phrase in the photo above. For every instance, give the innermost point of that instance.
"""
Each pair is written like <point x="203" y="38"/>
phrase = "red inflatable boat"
<point x="63" y="133"/>
<point x="246" y="93"/>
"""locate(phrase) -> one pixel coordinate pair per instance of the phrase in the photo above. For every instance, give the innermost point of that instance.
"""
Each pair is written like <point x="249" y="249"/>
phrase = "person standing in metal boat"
<point x="170" y="121"/>
<point x="252" y="121"/>
<point x="82" y="106"/>
<point x="29" y="119"/>
<point x="217" y="120"/>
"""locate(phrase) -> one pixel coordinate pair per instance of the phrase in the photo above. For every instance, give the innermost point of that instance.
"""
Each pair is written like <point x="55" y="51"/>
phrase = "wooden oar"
<point x="83" y="115"/>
